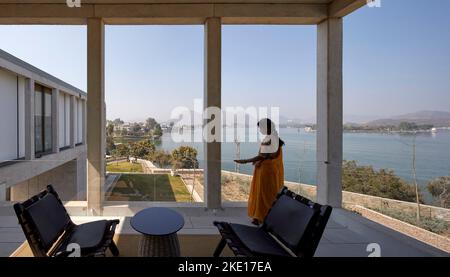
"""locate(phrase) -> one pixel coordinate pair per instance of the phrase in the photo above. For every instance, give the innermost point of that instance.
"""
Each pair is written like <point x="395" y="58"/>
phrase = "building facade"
<point x="43" y="133"/>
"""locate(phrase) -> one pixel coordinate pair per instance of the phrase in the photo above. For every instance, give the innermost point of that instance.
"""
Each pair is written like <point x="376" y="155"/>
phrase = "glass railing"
<point x="146" y="180"/>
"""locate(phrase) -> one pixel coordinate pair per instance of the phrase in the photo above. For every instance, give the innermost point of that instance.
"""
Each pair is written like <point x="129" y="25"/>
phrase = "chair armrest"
<point x="64" y="254"/>
<point x="113" y="224"/>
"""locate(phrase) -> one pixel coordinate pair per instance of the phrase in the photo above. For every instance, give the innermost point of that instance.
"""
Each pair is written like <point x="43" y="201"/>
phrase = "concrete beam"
<point x="212" y="98"/>
<point x="154" y="10"/>
<point x="42" y="21"/>
<point x="55" y="120"/>
<point x="270" y="13"/>
<point x="29" y="119"/>
<point x="96" y="113"/>
<point x="155" y="13"/>
<point x="341" y="8"/>
<point x="170" y="1"/>
<point x="25" y="170"/>
<point x="312" y="12"/>
<point x="329" y="112"/>
<point x="45" y="13"/>
<point x="154" y="20"/>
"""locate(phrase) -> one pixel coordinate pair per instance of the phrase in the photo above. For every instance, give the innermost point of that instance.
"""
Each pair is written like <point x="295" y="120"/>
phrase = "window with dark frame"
<point x="42" y="120"/>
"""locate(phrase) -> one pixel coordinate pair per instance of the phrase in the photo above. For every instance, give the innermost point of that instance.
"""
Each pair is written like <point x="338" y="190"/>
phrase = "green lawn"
<point x="150" y="187"/>
<point x="124" y="167"/>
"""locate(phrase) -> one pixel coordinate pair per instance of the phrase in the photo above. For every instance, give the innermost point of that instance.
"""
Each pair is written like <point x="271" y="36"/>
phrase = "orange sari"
<point x="268" y="179"/>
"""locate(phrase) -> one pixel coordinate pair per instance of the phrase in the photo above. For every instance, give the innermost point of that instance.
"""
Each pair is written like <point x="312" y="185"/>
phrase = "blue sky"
<point x="396" y="60"/>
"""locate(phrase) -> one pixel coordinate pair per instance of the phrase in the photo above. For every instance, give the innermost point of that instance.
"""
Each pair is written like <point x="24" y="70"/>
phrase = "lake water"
<point x="392" y="151"/>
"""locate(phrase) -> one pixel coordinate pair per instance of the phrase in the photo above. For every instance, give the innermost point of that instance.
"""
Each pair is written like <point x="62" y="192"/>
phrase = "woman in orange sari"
<point x="268" y="175"/>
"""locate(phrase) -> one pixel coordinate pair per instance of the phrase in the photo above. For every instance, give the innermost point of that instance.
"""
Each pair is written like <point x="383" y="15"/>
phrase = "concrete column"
<point x="96" y="137"/>
<point x="212" y="98"/>
<point x="3" y="192"/>
<point x="84" y="121"/>
<point x="72" y="121"/>
<point x="55" y="120"/>
<point x="29" y="119"/>
<point x="329" y="112"/>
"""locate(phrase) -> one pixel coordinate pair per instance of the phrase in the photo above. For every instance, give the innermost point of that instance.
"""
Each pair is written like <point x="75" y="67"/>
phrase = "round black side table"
<point x="159" y="227"/>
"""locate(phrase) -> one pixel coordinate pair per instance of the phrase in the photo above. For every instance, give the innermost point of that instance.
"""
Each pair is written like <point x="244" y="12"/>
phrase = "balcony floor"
<point x="347" y="235"/>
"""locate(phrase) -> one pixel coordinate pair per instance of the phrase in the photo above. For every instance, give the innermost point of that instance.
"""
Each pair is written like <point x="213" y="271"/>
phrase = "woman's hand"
<point x="241" y="161"/>
<point x="257" y="163"/>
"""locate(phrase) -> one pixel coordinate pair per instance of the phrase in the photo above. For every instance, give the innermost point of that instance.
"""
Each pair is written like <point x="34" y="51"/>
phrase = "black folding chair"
<point x="293" y="227"/>
<point x="49" y="229"/>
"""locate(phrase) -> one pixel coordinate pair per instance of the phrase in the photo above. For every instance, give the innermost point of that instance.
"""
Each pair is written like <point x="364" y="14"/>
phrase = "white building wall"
<point x="8" y="118"/>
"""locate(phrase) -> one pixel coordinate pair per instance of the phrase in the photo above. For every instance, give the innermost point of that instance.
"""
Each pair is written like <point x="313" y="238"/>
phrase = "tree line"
<point x="385" y="183"/>
<point x="150" y="128"/>
<point x="401" y="127"/>
<point x="181" y="157"/>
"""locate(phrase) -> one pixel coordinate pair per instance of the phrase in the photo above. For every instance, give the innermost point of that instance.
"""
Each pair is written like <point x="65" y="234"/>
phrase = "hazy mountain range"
<point x="435" y="118"/>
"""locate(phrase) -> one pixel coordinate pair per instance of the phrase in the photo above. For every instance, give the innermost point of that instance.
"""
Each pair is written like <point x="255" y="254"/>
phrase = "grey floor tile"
<point x="342" y="250"/>
<point x="12" y="237"/>
<point x="8" y="221"/>
<point x="340" y="236"/>
<point x="6" y="249"/>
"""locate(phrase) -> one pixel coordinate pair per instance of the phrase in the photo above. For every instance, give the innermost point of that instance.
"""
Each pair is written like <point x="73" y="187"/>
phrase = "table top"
<point x="157" y="221"/>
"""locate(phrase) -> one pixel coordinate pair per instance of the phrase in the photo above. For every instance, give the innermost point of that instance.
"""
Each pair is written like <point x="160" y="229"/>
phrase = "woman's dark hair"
<point x="269" y="126"/>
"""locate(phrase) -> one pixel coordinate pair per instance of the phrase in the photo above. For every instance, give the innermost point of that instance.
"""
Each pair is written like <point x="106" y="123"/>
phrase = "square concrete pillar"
<point x="96" y="137"/>
<point x="84" y="121"/>
<point x="55" y="120"/>
<point x="212" y="98"/>
<point x="329" y="112"/>
<point x="3" y="191"/>
<point x="73" y="106"/>
<point x="29" y="119"/>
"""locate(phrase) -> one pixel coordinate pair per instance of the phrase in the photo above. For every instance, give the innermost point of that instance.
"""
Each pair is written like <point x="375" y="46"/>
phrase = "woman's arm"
<point x="251" y="160"/>
<point x="260" y="157"/>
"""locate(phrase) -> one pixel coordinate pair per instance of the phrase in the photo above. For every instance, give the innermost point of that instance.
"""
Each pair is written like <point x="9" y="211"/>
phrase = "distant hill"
<point x="435" y="118"/>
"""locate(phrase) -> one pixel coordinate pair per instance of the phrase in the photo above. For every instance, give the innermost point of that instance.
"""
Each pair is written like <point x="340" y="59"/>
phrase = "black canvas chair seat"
<point x="296" y="222"/>
<point x="88" y="235"/>
<point x="49" y="229"/>
<point x="258" y="241"/>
